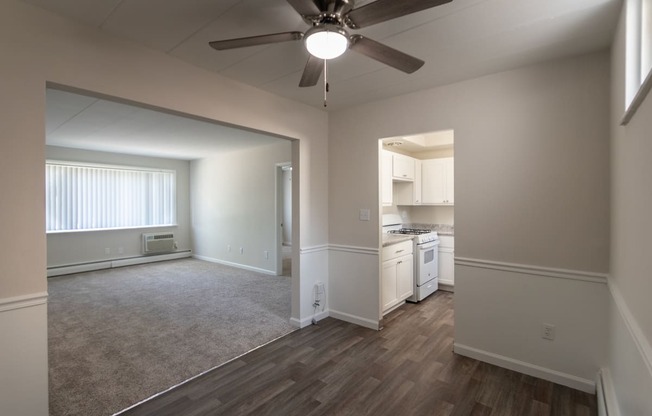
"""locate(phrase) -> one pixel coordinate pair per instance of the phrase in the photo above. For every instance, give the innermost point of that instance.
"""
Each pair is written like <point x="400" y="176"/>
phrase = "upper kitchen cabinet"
<point x="409" y="193"/>
<point x="438" y="181"/>
<point x="386" y="167"/>
<point x="402" y="168"/>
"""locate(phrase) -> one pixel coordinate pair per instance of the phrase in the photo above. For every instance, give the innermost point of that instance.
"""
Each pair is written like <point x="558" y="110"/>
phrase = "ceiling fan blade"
<point x="312" y="72"/>
<point x="383" y="10"/>
<point x="385" y="54"/>
<point x="305" y="7"/>
<point x="255" y="40"/>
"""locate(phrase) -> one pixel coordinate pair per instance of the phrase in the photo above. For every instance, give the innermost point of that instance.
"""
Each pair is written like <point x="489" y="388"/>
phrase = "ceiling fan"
<point x="328" y="37"/>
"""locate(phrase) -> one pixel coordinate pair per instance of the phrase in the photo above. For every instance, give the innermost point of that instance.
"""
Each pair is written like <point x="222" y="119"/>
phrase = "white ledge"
<point x="640" y="96"/>
<point x="591" y="277"/>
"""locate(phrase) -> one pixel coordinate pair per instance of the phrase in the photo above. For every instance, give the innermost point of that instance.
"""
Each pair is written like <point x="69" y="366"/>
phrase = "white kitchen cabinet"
<point x="386" y="178"/>
<point x="447" y="260"/>
<point x="409" y="193"/>
<point x="405" y="277"/>
<point x="397" y="275"/>
<point x="437" y="179"/>
<point x="402" y="167"/>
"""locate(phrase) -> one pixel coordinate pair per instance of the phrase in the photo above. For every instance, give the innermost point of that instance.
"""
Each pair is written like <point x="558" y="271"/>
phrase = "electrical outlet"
<point x="548" y="332"/>
<point x="266" y="255"/>
<point x="107" y="251"/>
<point x="228" y="248"/>
<point x="241" y="250"/>
<point x="364" y="214"/>
<point x="121" y="250"/>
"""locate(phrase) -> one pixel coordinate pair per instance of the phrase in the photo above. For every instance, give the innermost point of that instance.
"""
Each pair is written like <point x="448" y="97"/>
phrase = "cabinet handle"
<point x="400" y="251"/>
<point x="399" y="262"/>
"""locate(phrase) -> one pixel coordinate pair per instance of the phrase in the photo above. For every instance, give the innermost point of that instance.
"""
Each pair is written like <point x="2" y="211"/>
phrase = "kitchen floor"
<point x="337" y="368"/>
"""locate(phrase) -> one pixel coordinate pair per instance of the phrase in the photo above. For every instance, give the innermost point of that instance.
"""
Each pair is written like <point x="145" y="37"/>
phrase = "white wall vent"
<point x="158" y="243"/>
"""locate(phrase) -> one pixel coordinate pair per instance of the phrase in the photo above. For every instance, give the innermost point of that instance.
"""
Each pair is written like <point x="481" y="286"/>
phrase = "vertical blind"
<point x="96" y="197"/>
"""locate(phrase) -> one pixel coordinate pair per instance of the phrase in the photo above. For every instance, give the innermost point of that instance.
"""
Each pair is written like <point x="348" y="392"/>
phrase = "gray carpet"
<point x="119" y="336"/>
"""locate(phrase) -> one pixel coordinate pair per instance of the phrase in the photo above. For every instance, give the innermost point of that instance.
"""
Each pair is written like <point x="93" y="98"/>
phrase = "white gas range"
<point x="426" y="256"/>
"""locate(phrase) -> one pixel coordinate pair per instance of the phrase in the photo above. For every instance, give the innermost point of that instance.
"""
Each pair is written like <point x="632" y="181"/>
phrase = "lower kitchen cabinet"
<point x="397" y="277"/>
<point x="447" y="260"/>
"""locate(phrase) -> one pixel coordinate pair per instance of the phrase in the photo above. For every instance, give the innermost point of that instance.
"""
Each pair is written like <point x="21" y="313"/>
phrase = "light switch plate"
<point x="365" y="214"/>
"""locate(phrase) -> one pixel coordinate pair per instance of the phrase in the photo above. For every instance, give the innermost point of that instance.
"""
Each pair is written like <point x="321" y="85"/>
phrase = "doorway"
<point x="195" y="186"/>
<point x="284" y="219"/>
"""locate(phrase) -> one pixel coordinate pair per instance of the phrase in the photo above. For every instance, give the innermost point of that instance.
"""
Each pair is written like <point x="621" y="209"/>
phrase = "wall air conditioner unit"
<point x="158" y="243"/>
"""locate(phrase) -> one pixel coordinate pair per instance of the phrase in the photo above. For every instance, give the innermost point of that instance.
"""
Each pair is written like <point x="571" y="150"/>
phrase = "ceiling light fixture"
<point x="327" y="41"/>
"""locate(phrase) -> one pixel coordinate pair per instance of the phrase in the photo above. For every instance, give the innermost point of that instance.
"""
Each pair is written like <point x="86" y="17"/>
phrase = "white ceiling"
<point x="460" y="40"/>
<point x="84" y="122"/>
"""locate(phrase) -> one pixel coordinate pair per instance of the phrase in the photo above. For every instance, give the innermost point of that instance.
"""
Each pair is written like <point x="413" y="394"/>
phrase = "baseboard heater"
<point x="110" y="264"/>
<point x="154" y="243"/>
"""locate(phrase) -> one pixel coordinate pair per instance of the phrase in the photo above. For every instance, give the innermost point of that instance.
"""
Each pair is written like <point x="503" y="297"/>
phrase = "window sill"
<point x="143" y="227"/>
<point x="640" y="96"/>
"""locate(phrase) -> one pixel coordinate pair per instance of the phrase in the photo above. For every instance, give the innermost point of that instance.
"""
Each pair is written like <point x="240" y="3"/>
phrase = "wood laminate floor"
<point x="337" y="368"/>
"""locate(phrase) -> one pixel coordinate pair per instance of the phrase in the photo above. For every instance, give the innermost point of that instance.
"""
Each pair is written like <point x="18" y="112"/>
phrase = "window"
<point x="646" y="39"/>
<point x="638" y="51"/>
<point x="90" y="197"/>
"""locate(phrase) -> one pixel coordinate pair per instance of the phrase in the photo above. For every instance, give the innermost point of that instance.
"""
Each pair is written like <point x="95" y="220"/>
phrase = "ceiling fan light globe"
<point x="326" y="43"/>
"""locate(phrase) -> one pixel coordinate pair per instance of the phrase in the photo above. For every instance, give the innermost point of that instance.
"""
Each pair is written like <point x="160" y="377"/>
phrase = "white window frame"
<point x="638" y="65"/>
<point x="66" y="219"/>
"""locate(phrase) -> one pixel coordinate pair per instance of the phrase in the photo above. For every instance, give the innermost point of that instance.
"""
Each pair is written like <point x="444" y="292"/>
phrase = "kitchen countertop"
<point x="389" y="239"/>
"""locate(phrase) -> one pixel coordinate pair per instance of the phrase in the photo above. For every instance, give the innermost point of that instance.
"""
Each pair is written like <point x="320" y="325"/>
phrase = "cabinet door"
<point x="437" y="181"/>
<point x="403" y="167"/>
<point x="433" y="181"/>
<point x="388" y="284"/>
<point x="450" y="181"/>
<point x="416" y="196"/>
<point x="405" y="277"/>
<point x="386" y="179"/>
<point x="447" y="266"/>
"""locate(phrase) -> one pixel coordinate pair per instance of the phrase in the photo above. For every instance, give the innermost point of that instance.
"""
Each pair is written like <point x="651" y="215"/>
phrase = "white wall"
<point x="630" y="311"/>
<point x="38" y="47"/>
<point x="89" y="246"/>
<point x="531" y="190"/>
<point x="234" y="204"/>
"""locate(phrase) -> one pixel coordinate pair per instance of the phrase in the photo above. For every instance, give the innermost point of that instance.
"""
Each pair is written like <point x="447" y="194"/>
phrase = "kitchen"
<point x="417" y="193"/>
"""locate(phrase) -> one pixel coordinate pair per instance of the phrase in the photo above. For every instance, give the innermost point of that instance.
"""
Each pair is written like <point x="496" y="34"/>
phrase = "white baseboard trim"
<point x="308" y="321"/>
<point x="446" y="287"/>
<point x="367" y="323"/>
<point x="237" y="265"/>
<point x="24" y="301"/>
<point x="606" y="394"/>
<point x="633" y="328"/>
<point x="558" y="377"/>
<point x="580" y="275"/>
<point x="109" y="264"/>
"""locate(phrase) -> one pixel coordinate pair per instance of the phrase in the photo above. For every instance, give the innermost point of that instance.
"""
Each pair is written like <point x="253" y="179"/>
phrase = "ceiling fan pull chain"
<point x="325" y="82"/>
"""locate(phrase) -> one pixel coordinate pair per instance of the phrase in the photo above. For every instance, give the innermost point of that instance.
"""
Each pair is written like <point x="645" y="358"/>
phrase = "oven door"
<point x="427" y="262"/>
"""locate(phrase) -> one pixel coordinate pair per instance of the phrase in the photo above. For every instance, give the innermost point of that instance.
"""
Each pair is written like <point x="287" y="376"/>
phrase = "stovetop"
<point x="421" y="235"/>
<point x="413" y="231"/>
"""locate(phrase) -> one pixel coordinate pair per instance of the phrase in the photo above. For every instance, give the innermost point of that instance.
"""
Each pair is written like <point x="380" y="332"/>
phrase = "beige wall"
<point x="234" y="203"/>
<point x="531" y="198"/>
<point x="532" y="142"/>
<point x="38" y="47"/>
<point x="630" y="312"/>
